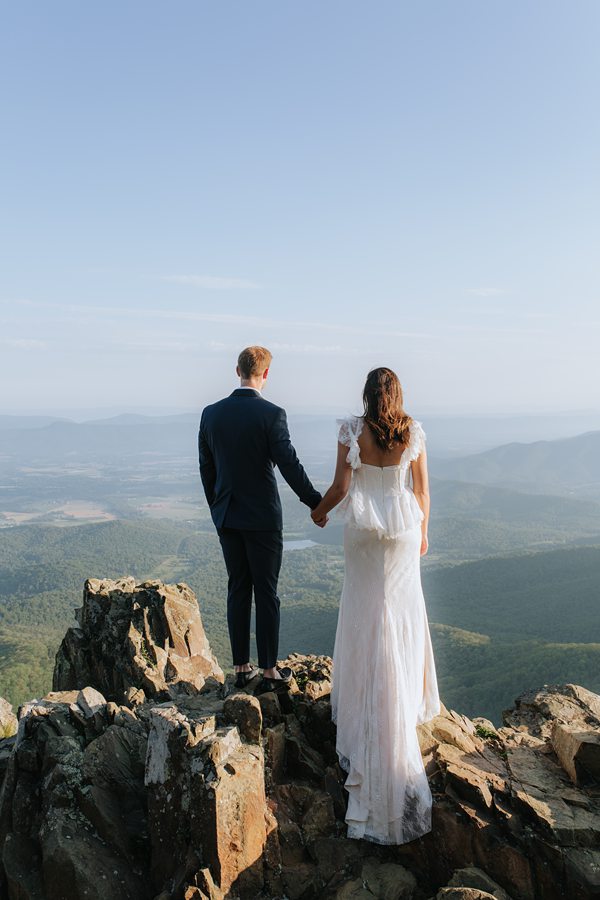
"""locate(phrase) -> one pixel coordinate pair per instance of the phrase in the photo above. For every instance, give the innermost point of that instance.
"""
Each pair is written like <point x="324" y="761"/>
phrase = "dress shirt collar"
<point x="246" y="387"/>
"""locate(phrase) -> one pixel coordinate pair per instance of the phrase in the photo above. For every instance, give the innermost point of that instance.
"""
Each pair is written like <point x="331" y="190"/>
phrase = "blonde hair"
<point x="254" y="361"/>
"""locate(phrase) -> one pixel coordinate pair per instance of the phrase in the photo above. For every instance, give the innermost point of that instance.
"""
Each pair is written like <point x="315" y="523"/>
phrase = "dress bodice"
<point x="381" y="498"/>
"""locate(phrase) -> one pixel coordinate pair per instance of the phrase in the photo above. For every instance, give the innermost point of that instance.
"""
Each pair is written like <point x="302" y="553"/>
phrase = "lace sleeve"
<point x="344" y="433"/>
<point x="349" y="430"/>
<point x="416" y="443"/>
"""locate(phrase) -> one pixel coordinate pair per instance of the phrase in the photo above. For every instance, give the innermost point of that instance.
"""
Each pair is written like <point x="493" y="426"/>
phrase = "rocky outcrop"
<point x="197" y="790"/>
<point x="8" y="720"/>
<point x="135" y="642"/>
<point x="102" y="800"/>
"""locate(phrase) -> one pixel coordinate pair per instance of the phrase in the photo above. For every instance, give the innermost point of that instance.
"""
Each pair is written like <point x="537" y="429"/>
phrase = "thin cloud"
<point x="213" y="282"/>
<point x="360" y="328"/>
<point x="181" y="346"/>
<point x="23" y="343"/>
<point x="311" y="348"/>
<point x="308" y="349"/>
<point x="151" y="343"/>
<point x="486" y="291"/>
<point x="142" y="312"/>
<point x="491" y="311"/>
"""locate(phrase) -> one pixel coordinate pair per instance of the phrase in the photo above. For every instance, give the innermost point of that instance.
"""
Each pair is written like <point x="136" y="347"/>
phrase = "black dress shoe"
<point x="243" y="679"/>
<point x="283" y="683"/>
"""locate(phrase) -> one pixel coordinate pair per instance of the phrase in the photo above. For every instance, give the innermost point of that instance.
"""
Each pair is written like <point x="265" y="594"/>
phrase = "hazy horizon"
<point x="408" y="185"/>
<point x="82" y="414"/>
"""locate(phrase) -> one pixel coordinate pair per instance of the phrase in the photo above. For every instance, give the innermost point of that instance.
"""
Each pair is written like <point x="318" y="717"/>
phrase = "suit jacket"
<point x="241" y="439"/>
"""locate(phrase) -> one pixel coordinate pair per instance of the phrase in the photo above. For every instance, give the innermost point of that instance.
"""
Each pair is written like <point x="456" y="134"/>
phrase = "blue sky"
<point x="351" y="184"/>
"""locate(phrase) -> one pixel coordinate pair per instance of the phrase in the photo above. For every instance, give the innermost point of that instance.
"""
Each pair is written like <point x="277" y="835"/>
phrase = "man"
<point x="241" y="439"/>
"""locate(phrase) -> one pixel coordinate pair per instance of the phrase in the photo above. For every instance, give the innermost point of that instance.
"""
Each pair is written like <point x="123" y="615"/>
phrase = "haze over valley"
<point x="512" y="578"/>
<point x="405" y="185"/>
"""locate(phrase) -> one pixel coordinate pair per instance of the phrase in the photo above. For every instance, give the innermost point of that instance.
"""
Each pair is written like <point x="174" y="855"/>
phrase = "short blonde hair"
<point x="254" y="361"/>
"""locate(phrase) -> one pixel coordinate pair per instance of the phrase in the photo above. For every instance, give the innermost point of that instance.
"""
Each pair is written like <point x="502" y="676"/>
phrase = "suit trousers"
<point x="253" y="561"/>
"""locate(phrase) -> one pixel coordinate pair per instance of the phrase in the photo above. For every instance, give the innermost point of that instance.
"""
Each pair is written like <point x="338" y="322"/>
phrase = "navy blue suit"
<point x="241" y="439"/>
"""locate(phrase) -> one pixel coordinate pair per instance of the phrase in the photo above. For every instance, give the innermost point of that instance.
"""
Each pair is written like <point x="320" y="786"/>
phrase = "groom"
<point x="241" y="439"/>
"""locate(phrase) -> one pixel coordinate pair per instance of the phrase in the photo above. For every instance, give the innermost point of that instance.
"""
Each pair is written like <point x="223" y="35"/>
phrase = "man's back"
<point x="241" y="438"/>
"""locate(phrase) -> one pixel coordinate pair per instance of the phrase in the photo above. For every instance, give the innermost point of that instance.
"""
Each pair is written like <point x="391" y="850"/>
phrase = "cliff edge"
<point x="145" y="775"/>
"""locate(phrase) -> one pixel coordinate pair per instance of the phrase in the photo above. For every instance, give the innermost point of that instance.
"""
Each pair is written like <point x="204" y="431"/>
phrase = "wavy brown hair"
<point x="384" y="409"/>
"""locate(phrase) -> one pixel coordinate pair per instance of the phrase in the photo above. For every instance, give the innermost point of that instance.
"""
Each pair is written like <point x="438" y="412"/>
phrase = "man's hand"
<point x="319" y="518"/>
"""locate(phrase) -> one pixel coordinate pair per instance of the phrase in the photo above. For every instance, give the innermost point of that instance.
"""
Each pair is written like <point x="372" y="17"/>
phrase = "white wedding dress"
<point x="384" y="678"/>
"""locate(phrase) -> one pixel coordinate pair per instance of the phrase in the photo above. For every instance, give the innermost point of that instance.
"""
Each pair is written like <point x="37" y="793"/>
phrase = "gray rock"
<point x="577" y="748"/>
<point x="8" y="720"/>
<point x="463" y="893"/>
<point x="382" y="880"/>
<point x="473" y="877"/>
<point x="244" y="711"/>
<point x="141" y="775"/>
<point x="131" y="638"/>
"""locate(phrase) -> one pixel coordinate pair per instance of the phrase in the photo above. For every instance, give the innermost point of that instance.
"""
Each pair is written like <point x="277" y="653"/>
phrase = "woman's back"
<point x="371" y="454"/>
<point x="380" y="498"/>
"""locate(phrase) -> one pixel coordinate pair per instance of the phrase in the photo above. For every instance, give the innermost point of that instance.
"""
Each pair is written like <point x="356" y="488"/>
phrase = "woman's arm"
<point x="339" y="487"/>
<point x="420" y="481"/>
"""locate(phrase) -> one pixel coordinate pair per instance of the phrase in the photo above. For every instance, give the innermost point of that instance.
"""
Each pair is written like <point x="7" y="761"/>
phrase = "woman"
<point x="384" y="678"/>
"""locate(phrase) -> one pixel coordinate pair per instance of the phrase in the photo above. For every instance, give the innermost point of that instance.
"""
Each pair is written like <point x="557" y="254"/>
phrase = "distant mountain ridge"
<point x="448" y="436"/>
<point x="559" y="466"/>
<point x="140" y="419"/>
<point x="495" y="622"/>
<point x="28" y="422"/>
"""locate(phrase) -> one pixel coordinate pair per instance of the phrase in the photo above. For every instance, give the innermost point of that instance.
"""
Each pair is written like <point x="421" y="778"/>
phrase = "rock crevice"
<point x="145" y="775"/>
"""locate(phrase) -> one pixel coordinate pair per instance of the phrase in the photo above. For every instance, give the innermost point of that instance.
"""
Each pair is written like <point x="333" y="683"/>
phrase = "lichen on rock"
<point x="145" y="775"/>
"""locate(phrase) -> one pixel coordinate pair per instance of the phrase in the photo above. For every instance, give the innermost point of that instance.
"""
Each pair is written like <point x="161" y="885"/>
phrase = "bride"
<point x="384" y="678"/>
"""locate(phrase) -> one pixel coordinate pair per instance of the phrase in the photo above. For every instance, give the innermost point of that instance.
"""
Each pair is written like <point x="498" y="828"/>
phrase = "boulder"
<point x="206" y="802"/>
<point x="463" y="893"/>
<point x="8" y="720"/>
<point x="51" y="846"/>
<point x="133" y="638"/>
<point x="472" y="877"/>
<point x="244" y="711"/>
<point x="143" y="775"/>
<point x="382" y="880"/>
<point x="578" y="751"/>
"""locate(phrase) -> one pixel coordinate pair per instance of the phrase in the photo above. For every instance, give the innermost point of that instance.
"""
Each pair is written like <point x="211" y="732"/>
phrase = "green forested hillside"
<point x="480" y="676"/>
<point x="550" y="596"/>
<point x="471" y="521"/>
<point x="569" y="465"/>
<point x="499" y="625"/>
<point x="42" y="570"/>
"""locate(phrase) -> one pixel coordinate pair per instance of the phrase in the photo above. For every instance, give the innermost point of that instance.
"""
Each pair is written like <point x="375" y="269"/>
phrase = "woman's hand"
<point x="424" y="544"/>
<point x="338" y="490"/>
<point x="319" y="518"/>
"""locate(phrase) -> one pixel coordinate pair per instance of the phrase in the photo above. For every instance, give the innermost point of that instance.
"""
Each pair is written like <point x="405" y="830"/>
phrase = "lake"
<point x="298" y="545"/>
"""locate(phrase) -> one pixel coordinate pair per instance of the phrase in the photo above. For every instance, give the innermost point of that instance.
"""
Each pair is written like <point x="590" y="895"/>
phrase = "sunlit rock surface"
<point x="146" y="776"/>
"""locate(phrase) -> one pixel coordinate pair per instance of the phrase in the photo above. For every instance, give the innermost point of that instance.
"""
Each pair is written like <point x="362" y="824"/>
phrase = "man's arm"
<point x="285" y="458"/>
<point x="208" y="472"/>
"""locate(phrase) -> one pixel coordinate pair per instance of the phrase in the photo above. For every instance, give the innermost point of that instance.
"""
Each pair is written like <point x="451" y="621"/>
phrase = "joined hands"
<point x="319" y="519"/>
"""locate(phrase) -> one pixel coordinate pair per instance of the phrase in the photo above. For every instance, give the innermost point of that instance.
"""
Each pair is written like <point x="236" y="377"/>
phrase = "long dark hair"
<point x="384" y="410"/>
